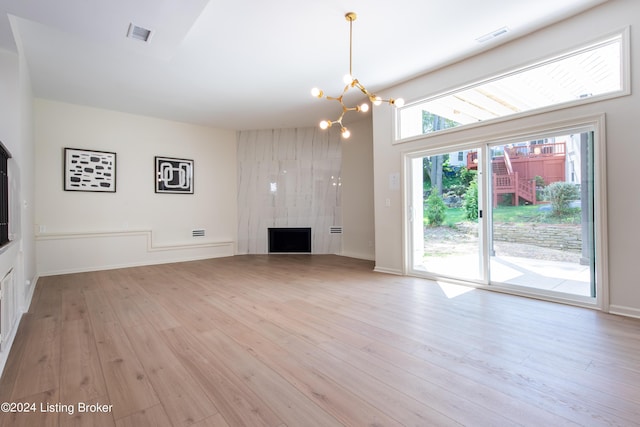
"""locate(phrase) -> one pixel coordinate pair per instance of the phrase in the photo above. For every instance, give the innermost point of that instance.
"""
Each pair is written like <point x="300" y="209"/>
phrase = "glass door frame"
<point x="415" y="213"/>
<point x="595" y="124"/>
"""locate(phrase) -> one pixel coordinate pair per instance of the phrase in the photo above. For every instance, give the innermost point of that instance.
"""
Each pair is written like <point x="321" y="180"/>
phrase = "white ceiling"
<point x="249" y="64"/>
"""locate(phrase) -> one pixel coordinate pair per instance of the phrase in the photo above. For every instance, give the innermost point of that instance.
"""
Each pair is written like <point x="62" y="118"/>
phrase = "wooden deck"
<point x="322" y="340"/>
<point x="515" y="171"/>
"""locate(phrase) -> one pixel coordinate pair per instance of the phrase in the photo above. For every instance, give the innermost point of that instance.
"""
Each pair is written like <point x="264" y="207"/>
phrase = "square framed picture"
<point x="89" y="170"/>
<point x="174" y="175"/>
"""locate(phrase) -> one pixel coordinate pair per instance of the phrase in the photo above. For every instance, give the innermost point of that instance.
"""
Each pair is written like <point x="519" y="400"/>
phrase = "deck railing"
<point x="525" y="151"/>
<point x="538" y="150"/>
<point x="513" y="184"/>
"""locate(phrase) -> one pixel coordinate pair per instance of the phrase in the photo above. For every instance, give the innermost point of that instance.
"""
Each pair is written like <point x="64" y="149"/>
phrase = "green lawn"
<point x="512" y="214"/>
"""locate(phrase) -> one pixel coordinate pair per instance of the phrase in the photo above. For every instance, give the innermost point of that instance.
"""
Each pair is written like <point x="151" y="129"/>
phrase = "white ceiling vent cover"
<point x="139" y="33"/>
<point x="335" y="230"/>
<point x="197" y="233"/>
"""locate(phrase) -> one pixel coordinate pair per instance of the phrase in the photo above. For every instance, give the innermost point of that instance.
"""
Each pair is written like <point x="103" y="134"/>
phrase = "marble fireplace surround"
<point x="289" y="178"/>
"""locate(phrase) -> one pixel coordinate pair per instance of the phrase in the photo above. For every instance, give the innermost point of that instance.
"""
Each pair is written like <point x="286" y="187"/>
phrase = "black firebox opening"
<point x="288" y="239"/>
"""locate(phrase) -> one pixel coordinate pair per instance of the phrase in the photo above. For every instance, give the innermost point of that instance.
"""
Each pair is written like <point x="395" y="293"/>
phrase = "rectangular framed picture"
<point x="89" y="170"/>
<point x="174" y="175"/>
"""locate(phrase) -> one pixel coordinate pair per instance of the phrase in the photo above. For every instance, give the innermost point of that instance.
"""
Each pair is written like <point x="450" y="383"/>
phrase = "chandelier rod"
<point x="351" y="17"/>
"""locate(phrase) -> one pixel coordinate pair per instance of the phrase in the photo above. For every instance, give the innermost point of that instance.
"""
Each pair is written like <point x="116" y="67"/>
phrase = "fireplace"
<point x="290" y="240"/>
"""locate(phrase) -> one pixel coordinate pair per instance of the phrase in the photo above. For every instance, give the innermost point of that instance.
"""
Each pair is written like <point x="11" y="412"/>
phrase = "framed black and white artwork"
<point x="174" y="175"/>
<point x="89" y="170"/>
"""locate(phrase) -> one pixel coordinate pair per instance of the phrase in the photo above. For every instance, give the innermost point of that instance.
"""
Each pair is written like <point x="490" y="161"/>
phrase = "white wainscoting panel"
<point x="62" y="253"/>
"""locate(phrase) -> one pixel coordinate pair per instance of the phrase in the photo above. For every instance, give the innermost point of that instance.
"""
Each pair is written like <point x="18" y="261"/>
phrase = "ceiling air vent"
<point x="197" y="233"/>
<point x="492" y="35"/>
<point x="335" y="230"/>
<point x="139" y="33"/>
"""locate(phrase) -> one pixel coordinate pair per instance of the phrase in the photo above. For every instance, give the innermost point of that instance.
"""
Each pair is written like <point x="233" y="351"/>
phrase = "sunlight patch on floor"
<point x="452" y="290"/>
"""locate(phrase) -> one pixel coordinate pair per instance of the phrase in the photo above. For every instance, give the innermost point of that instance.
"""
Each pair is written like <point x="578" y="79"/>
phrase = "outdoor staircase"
<point x="544" y="160"/>
<point x="505" y="181"/>
<point x="500" y="167"/>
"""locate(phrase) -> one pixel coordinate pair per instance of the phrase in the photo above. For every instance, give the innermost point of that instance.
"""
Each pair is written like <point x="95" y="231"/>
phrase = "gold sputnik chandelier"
<point x="350" y="82"/>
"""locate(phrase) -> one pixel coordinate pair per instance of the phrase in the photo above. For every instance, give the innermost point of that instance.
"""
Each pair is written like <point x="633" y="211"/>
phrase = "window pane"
<point x="542" y="215"/>
<point x="589" y="72"/>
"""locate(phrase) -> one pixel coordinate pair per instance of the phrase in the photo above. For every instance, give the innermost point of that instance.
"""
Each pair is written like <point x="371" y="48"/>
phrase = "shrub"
<point x="539" y="188"/>
<point x="471" y="201"/>
<point x="560" y="194"/>
<point x="435" y="209"/>
<point x="467" y="176"/>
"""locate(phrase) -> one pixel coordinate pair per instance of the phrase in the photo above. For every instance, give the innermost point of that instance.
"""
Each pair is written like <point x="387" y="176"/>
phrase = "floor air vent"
<point x="197" y="233"/>
<point x="335" y="230"/>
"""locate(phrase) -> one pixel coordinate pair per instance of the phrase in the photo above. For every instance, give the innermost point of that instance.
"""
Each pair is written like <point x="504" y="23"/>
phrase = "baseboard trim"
<point x="29" y="297"/>
<point x="358" y="255"/>
<point x="622" y="310"/>
<point x="388" y="270"/>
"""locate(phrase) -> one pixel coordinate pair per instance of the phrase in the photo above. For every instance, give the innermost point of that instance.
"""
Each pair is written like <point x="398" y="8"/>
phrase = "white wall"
<point x="15" y="134"/>
<point x="621" y="138"/>
<point x="81" y="231"/>
<point x="358" y="234"/>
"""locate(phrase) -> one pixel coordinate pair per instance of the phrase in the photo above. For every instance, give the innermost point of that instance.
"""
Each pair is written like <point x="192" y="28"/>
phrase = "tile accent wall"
<point x="289" y="178"/>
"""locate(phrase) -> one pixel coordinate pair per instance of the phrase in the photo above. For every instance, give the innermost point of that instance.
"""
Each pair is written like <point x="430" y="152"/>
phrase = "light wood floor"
<point x="312" y="341"/>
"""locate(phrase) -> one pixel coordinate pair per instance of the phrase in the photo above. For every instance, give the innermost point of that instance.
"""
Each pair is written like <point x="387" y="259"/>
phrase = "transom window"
<point x="592" y="72"/>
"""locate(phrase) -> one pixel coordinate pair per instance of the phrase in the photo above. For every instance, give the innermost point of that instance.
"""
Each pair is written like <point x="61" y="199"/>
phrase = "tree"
<point x="432" y="122"/>
<point x="467" y="176"/>
<point x="433" y="171"/>
<point x="435" y="210"/>
<point x="433" y="166"/>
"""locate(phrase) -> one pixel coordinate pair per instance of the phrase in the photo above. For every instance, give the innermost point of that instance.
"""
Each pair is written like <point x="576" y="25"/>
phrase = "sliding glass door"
<point x="515" y="214"/>
<point x="446" y="240"/>
<point x="542" y="214"/>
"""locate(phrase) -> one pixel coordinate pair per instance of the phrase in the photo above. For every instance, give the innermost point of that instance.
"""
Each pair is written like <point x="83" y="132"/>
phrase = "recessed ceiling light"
<point x="139" y="33"/>
<point x="492" y="35"/>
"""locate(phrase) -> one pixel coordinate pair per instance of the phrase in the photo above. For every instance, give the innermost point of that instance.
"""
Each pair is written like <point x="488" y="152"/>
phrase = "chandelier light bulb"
<point x="364" y="107"/>
<point x="316" y="92"/>
<point x="325" y="124"/>
<point x="398" y="102"/>
<point x="377" y="101"/>
<point x="345" y="133"/>
<point x="347" y="79"/>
